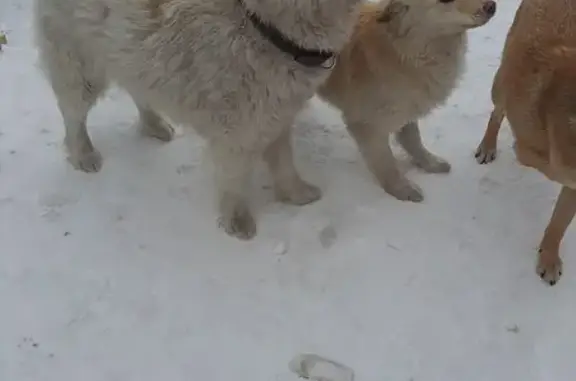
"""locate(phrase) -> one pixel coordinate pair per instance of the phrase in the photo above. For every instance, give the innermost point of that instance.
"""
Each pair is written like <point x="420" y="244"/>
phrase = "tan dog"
<point x="404" y="59"/>
<point x="535" y="88"/>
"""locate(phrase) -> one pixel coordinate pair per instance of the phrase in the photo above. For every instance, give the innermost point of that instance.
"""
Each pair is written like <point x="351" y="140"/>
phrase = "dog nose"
<point x="489" y="8"/>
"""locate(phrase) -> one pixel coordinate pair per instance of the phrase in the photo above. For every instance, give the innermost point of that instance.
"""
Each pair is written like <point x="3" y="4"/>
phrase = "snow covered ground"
<point x="124" y="275"/>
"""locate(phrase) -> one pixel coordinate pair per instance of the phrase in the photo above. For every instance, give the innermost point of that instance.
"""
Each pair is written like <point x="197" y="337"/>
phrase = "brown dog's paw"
<point x="485" y="154"/>
<point x="549" y="267"/>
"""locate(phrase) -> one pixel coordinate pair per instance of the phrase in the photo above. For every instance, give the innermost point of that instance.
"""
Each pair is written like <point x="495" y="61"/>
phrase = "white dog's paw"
<point x="434" y="164"/>
<point x="160" y="130"/>
<point x="484" y="154"/>
<point x="86" y="161"/>
<point x="238" y="223"/>
<point x="405" y="190"/>
<point x="299" y="193"/>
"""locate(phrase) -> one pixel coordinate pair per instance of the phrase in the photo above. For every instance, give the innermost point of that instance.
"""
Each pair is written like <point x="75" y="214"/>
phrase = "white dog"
<point x="404" y="59"/>
<point x="238" y="71"/>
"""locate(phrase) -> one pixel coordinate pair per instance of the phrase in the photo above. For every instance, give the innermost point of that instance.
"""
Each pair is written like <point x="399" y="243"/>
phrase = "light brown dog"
<point x="535" y="88"/>
<point x="404" y="59"/>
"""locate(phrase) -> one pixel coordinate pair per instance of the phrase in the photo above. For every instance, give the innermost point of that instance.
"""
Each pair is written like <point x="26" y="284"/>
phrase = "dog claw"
<point x="485" y="155"/>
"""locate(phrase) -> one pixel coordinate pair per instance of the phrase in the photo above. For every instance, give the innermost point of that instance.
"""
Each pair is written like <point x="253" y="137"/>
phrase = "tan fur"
<point x="404" y="59"/>
<point x="535" y="88"/>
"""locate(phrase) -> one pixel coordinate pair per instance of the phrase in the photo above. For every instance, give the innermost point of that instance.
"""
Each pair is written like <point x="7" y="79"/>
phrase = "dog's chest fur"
<point x="396" y="82"/>
<point x="424" y="81"/>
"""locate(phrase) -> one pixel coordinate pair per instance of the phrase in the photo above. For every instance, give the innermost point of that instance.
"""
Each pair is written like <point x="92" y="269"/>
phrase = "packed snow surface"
<point x="123" y="275"/>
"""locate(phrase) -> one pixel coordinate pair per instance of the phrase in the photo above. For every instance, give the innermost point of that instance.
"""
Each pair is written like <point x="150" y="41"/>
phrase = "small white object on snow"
<point x="281" y="248"/>
<point x="318" y="368"/>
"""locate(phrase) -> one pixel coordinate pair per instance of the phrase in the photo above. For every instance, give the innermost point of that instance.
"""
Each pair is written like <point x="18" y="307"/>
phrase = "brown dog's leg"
<point x="374" y="145"/>
<point x="410" y="139"/>
<point x="549" y="262"/>
<point x="486" y="151"/>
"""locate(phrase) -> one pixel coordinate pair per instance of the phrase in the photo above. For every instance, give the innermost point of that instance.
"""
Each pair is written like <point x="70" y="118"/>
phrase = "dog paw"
<point x="160" y="130"/>
<point x="405" y="191"/>
<point x="300" y="193"/>
<point x="549" y="267"/>
<point x="434" y="164"/>
<point x="86" y="161"/>
<point x="485" y="155"/>
<point x="239" y="223"/>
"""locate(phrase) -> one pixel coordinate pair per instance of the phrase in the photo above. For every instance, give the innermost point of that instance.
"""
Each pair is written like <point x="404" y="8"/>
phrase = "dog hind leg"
<point x="486" y="151"/>
<point x="153" y="125"/>
<point x="77" y="84"/>
<point x="233" y="171"/>
<point x="549" y="263"/>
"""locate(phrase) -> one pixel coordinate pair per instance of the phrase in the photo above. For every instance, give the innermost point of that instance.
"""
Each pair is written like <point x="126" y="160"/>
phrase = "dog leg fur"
<point x="233" y="172"/>
<point x="549" y="263"/>
<point x="409" y="138"/>
<point x="152" y="125"/>
<point x="374" y="144"/>
<point x="77" y="86"/>
<point x="486" y="151"/>
<point x="288" y="185"/>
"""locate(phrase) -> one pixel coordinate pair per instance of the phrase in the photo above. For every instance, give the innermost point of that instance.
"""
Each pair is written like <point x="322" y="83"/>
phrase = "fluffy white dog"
<point x="238" y="71"/>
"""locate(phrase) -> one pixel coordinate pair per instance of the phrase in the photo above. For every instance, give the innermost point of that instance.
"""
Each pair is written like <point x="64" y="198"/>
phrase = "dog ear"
<point x="393" y="10"/>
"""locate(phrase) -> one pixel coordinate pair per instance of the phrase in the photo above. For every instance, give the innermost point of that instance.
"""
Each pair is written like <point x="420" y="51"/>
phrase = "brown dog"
<point x="535" y="88"/>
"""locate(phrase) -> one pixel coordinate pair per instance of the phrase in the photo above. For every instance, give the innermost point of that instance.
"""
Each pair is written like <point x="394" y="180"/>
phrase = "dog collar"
<point x="307" y="57"/>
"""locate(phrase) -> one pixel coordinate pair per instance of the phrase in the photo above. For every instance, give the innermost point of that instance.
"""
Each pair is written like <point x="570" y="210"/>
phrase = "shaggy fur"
<point x="404" y="59"/>
<point x="535" y="88"/>
<point x="201" y="63"/>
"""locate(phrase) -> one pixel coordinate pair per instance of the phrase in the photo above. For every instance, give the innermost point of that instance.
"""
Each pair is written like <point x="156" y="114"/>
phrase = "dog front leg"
<point x="374" y="144"/>
<point x="486" y="151"/>
<point x="549" y="263"/>
<point x="233" y="171"/>
<point x="288" y="184"/>
<point x="410" y="139"/>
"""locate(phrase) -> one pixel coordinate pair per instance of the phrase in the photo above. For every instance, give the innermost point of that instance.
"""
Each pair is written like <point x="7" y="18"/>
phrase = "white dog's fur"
<point x="404" y="59"/>
<point x="200" y="63"/>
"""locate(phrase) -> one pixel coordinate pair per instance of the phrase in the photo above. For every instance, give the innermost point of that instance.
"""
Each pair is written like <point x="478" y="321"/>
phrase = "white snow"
<point x="124" y="275"/>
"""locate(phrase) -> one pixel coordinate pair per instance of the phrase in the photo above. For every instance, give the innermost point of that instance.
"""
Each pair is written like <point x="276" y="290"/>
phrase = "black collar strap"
<point x="306" y="57"/>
